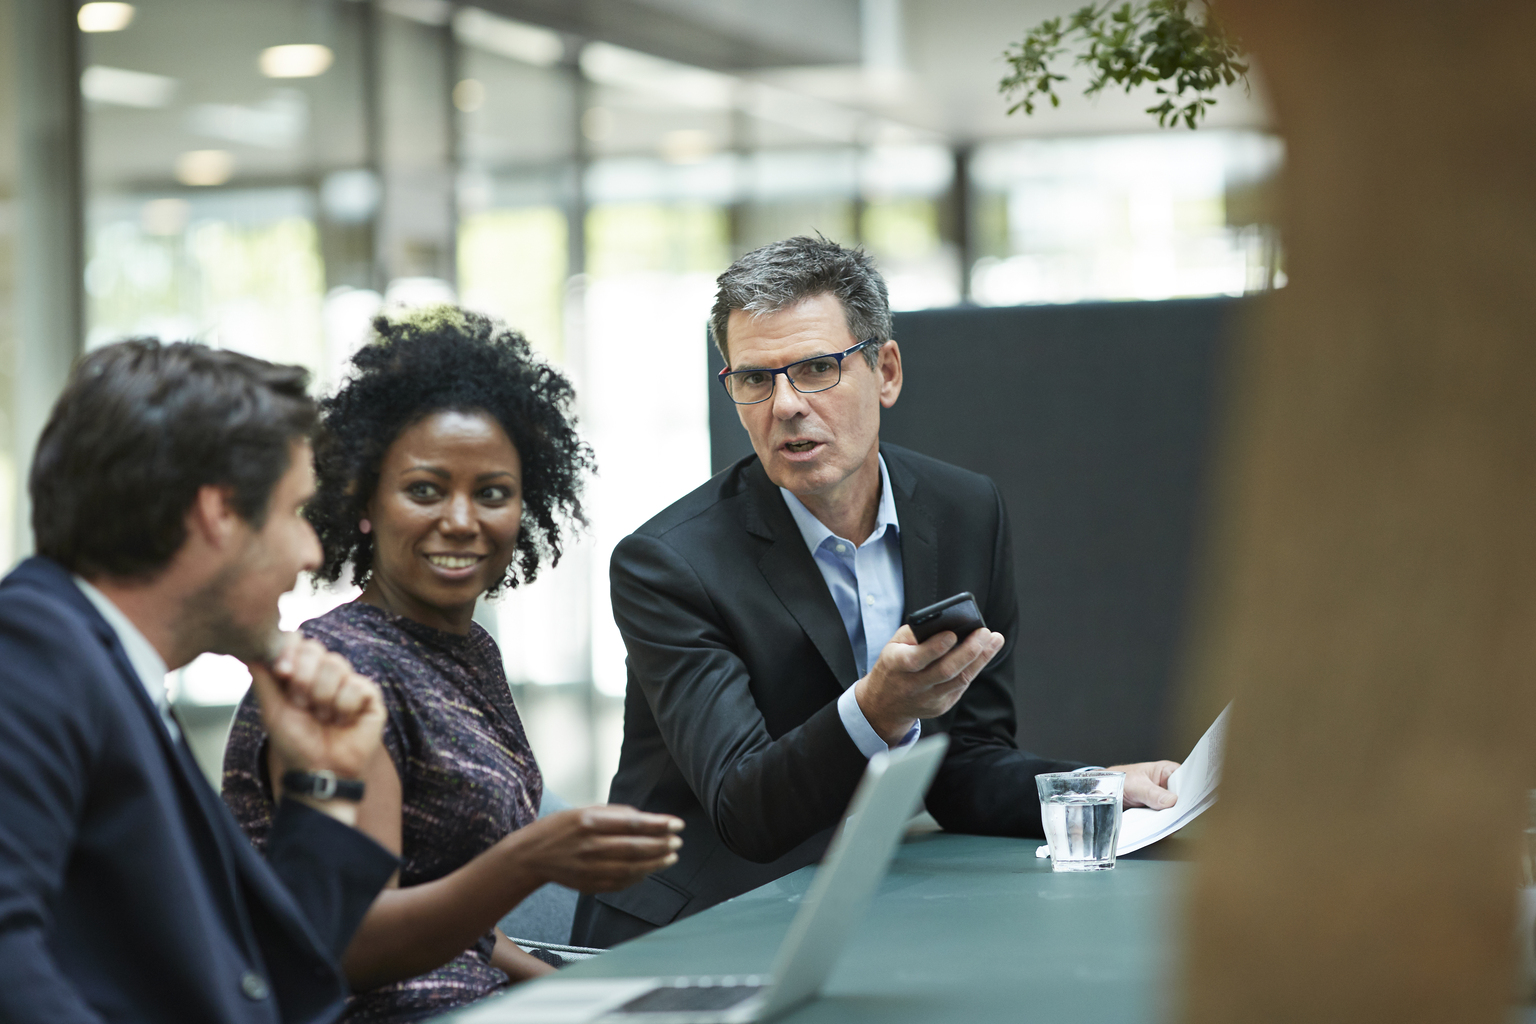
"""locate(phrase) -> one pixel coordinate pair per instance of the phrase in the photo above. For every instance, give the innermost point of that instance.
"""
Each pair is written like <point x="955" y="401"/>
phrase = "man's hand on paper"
<point x="1146" y="784"/>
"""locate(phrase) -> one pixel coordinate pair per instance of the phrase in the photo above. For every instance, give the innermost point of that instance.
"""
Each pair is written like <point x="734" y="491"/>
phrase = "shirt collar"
<point x="815" y="531"/>
<point x="146" y="661"/>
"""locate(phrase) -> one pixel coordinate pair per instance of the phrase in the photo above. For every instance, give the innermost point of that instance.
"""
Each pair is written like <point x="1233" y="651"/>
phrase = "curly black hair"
<point x="437" y="360"/>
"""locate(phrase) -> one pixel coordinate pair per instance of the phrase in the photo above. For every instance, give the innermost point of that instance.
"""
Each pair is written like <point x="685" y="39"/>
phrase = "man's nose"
<point x="787" y="402"/>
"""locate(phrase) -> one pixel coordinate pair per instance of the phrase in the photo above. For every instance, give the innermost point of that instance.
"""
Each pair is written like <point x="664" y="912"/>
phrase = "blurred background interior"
<point x="265" y="175"/>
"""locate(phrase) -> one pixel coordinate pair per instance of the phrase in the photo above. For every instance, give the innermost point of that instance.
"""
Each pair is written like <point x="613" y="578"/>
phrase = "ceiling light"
<point x="164" y="216"/>
<point x="104" y="17"/>
<point x="522" y="42"/>
<point x="687" y="146"/>
<point x="125" y="88"/>
<point x="278" y="122"/>
<point x="469" y="95"/>
<point x="424" y="12"/>
<point x="681" y="85"/>
<point x="296" y="60"/>
<point x="205" y="167"/>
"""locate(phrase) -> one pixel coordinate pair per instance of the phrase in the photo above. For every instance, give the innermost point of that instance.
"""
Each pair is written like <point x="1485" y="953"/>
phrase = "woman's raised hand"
<point x="598" y="849"/>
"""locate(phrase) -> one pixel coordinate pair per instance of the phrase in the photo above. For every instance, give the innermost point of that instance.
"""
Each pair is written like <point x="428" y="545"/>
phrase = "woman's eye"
<point x="421" y="490"/>
<point x="496" y="494"/>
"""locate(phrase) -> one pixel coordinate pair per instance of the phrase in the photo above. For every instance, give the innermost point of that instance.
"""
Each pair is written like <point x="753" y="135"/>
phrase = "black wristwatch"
<point x="322" y="785"/>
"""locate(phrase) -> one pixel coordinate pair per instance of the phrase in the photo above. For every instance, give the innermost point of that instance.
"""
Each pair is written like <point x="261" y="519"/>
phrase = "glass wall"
<point x="267" y="175"/>
<point x="1121" y="217"/>
<point x="225" y="147"/>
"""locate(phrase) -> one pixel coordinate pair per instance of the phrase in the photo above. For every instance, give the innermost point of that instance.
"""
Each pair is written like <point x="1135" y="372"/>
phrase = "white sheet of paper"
<point x="1194" y="783"/>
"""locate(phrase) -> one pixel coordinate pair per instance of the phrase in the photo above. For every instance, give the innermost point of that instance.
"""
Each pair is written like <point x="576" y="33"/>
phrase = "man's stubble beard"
<point x="210" y="625"/>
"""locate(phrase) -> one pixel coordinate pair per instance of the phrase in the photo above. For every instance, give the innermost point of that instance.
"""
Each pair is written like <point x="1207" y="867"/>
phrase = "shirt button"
<point x="869" y="598"/>
<point x="842" y="549"/>
<point x="254" y="988"/>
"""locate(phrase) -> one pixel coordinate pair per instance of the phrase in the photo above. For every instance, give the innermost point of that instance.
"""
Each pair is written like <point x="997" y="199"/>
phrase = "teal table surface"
<point x="963" y="928"/>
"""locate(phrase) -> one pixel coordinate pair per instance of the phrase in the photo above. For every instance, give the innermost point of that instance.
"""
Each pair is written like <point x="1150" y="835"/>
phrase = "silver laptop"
<point x="891" y="790"/>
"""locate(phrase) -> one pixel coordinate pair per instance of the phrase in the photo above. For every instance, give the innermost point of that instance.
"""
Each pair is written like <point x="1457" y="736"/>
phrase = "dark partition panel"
<point x="1094" y="419"/>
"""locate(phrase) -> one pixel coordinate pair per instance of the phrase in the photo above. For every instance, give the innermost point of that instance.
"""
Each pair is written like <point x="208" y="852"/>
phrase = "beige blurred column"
<point x="49" y="235"/>
<point x="1376" y="585"/>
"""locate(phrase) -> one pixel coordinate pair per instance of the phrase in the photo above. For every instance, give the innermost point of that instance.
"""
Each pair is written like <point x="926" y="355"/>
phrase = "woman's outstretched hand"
<point x="598" y="849"/>
<point x="417" y="928"/>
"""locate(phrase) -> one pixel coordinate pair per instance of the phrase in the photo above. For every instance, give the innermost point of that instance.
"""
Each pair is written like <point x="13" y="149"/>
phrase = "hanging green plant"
<point x="1178" y="44"/>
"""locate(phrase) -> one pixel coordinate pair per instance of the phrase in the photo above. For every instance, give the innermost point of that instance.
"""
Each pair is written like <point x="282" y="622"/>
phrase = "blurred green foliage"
<point x="1178" y="44"/>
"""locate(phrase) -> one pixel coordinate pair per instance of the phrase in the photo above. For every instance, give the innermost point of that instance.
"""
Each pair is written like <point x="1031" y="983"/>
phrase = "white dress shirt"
<point x="146" y="661"/>
<point x="866" y="585"/>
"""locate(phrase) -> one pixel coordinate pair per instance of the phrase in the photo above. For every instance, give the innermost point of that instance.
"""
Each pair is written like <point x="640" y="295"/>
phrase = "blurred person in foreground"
<point x="448" y="460"/>
<point x="762" y="614"/>
<point x="166" y="495"/>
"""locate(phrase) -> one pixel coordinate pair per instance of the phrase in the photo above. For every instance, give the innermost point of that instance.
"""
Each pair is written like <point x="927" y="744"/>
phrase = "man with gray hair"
<point x="763" y="612"/>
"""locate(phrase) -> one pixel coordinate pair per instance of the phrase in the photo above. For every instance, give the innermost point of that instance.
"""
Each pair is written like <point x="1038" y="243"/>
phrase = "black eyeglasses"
<point x="808" y="376"/>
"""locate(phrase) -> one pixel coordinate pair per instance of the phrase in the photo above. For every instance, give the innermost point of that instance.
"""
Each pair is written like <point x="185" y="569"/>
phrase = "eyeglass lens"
<point x="808" y="377"/>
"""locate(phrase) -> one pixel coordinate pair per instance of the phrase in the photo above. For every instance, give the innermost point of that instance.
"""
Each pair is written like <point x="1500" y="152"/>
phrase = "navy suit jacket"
<point x="737" y="656"/>
<point x="127" y="891"/>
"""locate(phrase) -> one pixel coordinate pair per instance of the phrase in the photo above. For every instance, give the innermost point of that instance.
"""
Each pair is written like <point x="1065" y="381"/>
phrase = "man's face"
<point x="237" y="610"/>
<point x="813" y="445"/>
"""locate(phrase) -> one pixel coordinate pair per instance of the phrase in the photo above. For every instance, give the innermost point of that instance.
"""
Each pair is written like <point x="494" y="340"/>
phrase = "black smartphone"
<point x="957" y="614"/>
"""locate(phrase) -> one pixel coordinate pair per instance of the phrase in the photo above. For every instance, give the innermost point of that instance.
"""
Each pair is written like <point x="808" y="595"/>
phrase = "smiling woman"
<point x="446" y="466"/>
<point x="447" y="360"/>
<point x="445" y="518"/>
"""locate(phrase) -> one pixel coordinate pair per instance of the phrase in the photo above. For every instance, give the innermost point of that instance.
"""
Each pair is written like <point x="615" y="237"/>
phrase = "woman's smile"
<point x="455" y="567"/>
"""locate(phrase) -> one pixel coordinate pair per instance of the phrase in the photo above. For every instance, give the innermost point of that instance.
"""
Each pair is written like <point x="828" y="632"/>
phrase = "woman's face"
<point x="445" y="518"/>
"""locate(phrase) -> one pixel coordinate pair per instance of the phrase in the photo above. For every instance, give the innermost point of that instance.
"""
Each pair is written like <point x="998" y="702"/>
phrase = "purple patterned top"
<point x="467" y="776"/>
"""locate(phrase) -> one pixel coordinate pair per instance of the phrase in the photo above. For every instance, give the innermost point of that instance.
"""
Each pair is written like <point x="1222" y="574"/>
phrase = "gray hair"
<point x="780" y="274"/>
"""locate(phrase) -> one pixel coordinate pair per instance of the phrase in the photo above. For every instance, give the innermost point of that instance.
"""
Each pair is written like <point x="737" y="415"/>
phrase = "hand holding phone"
<point x="911" y="682"/>
<point x="958" y="614"/>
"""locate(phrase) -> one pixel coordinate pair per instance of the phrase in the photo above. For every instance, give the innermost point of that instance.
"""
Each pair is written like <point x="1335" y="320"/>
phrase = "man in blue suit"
<point x="166" y="496"/>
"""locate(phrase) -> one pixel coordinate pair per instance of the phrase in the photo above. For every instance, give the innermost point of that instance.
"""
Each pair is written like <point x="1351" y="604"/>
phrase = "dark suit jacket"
<point x="737" y="655"/>
<point x="127" y="891"/>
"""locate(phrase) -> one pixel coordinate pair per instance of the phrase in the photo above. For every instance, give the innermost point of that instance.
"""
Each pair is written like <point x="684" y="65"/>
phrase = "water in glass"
<point x="1082" y="829"/>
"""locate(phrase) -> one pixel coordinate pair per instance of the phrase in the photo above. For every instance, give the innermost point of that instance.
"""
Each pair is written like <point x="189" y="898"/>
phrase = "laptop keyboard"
<point x="671" y="999"/>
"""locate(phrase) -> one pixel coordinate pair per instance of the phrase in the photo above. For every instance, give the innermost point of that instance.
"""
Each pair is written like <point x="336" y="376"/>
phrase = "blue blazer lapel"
<point x="52" y="578"/>
<point x="57" y="581"/>
<point x="792" y="574"/>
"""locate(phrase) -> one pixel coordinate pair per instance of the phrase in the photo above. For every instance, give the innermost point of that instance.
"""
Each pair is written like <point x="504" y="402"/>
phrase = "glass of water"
<point x="1081" y="813"/>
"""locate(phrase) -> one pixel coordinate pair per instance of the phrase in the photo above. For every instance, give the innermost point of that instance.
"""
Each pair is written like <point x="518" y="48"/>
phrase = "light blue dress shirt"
<point x="146" y="661"/>
<point x="867" y="586"/>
